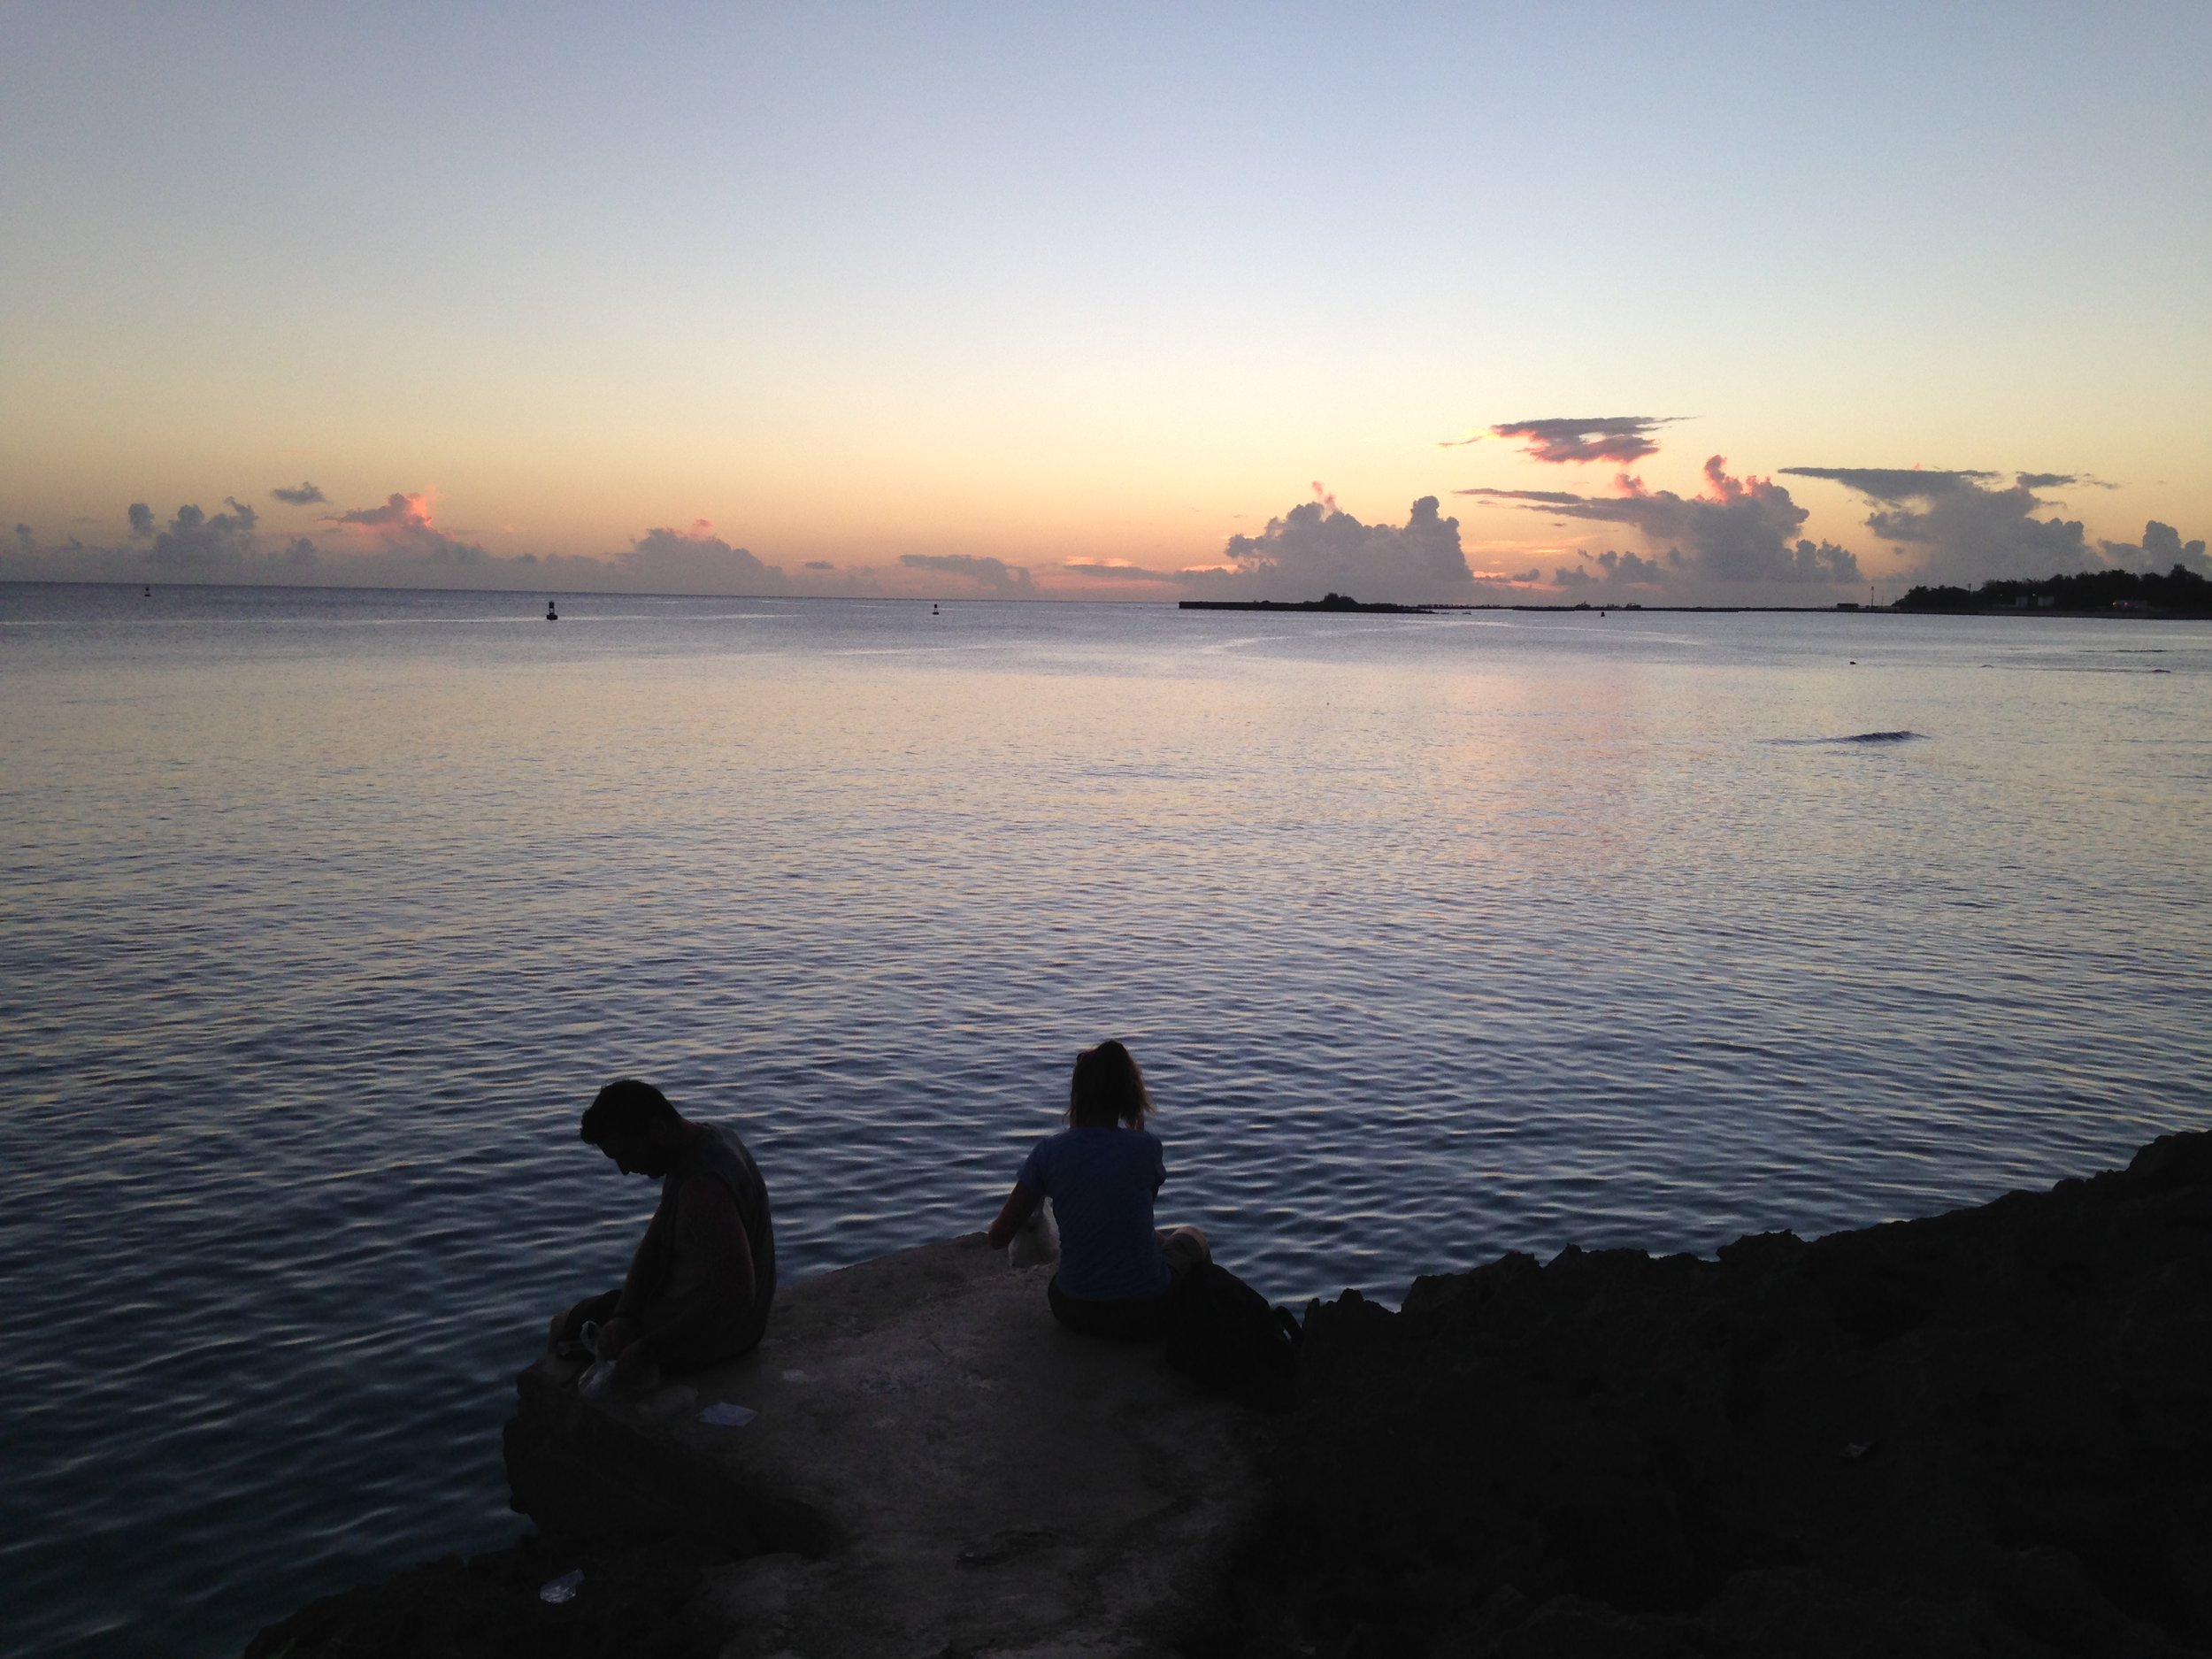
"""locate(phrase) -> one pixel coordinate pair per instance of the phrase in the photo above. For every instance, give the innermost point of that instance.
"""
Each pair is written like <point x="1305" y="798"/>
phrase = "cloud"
<point x="406" y="524"/>
<point x="2160" y="548"/>
<point x="304" y="495"/>
<point x="1736" y="531"/>
<point x="1624" y="570"/>
<point x="995" y="577"/>
<point x="398" y="513"/>
<point x="399" y="544"/>
<point x="1581" y="439"/>
<point x="1116" y="570"/>
<point x="698" y="561"/>
<point x="25" y="541"/>
<point x="1898" y="483"/>
<point x="198" y="541"/>
<point x="819" y="565"/>
<point x="1316" y="549"/>
<point x="1956" y="527"/>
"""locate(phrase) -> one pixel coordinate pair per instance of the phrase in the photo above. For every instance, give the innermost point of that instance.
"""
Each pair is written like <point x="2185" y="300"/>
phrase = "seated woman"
<point x="1102" y="1174"/>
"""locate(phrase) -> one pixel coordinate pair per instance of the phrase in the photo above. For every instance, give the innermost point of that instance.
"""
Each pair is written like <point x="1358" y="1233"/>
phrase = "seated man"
<point x="701" y="1283"/>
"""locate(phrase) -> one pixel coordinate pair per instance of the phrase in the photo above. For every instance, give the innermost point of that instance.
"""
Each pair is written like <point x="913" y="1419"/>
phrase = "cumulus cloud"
<point x="1735" y="531"/>
<point x="198" y="541"/>
<point x="1559" y="440"/>
<point x="399" y="543"/>
<point x="194" y="546"/>
<point x="407" y="524"/>
<point x="819" y="565"/>
<point x="1959" y="526"/>
<point x="1614" y="570"/>
<point x="304" y="495"/>
<point x="696" y="560"/>
<point x="1316" y="548"/>
<point x="2161" y="550"/>
<point x="398" y="511"/>
<point x="995" y="577"/>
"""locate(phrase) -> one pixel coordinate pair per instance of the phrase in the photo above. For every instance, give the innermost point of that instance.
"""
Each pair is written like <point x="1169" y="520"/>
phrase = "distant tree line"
<point x="2180" y="592"/>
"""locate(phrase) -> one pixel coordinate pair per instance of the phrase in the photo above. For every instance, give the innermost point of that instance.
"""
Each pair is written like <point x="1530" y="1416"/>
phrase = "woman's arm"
<point x="1021" y="1204"/>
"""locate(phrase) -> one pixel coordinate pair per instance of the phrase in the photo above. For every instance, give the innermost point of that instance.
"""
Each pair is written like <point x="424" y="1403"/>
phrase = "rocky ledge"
<point x="934" y="1467"/>
<point x="1986" y="1434"/>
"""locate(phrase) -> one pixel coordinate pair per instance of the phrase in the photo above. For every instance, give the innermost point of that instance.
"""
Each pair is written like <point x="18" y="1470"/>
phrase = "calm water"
<point x="324" y="913"/>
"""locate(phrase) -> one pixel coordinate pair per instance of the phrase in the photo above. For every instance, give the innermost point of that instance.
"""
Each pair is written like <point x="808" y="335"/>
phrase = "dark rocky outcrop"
<point x="640" y="1599"/>
<point x="1336" y="604"/>
<point x="1989" y="1432"/>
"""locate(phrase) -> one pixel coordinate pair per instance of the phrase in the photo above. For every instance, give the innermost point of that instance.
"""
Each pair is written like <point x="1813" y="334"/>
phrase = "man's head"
<point x="634" y="1123"/>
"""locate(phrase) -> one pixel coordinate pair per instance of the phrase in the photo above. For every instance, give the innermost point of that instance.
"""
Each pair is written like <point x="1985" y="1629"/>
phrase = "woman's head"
<point x="1107" y="1089"/>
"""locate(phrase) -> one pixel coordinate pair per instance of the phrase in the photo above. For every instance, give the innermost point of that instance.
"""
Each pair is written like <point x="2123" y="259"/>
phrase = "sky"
<point x="1694" y="304"/>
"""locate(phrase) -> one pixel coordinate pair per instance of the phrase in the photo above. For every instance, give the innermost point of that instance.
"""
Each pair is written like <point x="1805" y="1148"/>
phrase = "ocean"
<point x="324" y="913"/>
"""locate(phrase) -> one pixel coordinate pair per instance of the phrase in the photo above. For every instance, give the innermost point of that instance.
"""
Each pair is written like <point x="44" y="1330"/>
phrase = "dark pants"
<point x="1128" y="1320"/>
<point x="1134" y="1318"/>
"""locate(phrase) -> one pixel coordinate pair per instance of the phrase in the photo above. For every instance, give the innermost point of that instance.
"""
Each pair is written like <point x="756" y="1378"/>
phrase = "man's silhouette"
<point x="699" y="1286"/>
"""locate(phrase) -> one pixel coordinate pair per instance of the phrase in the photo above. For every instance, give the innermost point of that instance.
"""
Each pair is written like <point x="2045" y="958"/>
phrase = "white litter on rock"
<point x="598" y="1382"/>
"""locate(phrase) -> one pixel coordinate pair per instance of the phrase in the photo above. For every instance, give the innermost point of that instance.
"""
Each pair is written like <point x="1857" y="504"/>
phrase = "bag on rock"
<point x="1222" y="1333"/>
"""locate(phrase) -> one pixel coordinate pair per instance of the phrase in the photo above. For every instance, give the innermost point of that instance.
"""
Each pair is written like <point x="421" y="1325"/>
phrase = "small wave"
<point x="1855" y="737"/>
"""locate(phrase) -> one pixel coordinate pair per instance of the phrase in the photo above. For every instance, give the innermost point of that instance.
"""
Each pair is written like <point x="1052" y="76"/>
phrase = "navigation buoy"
<point x="551" y="614"/>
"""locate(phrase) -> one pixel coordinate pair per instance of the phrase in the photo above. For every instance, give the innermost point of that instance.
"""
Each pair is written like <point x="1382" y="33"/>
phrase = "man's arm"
<point x="641" y="1285"/>
<point x="650" y="1265"/>
<point x="708" y="1284"/>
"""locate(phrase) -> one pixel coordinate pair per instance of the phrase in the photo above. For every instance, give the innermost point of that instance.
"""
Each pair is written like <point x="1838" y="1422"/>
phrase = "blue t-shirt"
<point x="1102" y="1183"/>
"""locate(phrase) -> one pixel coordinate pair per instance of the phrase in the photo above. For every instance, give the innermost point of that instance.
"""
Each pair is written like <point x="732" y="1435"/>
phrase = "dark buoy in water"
<point x="933" y="608"/>
<point x="150" y="591"/>
<point x="551" y="614"/>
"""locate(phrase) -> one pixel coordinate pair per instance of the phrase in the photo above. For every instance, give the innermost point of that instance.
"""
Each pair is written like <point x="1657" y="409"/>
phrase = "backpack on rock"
<point x="1222" y="1333"/>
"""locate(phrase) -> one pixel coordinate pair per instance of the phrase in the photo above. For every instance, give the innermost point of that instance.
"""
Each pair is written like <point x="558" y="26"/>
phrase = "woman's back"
<point x="1102" y="1183"/>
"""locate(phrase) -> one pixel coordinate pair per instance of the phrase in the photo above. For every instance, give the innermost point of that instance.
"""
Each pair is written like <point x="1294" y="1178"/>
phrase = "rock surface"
<point x="1989" y="1432"/>
<point x="936" y="1468"/>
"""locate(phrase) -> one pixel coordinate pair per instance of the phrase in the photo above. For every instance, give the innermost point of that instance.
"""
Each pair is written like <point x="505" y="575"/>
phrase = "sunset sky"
<point x="1062" y="301"/>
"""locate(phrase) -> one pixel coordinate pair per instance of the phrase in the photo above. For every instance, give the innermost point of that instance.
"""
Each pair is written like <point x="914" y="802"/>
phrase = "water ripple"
<point x="324" y="914"/>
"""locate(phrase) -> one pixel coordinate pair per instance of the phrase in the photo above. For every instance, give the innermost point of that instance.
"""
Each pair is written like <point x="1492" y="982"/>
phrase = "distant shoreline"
<point x="533" y="596"/>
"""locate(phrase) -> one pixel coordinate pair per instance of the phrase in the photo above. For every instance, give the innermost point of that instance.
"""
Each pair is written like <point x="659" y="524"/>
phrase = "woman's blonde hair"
<point x="1107" y="1089"/>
